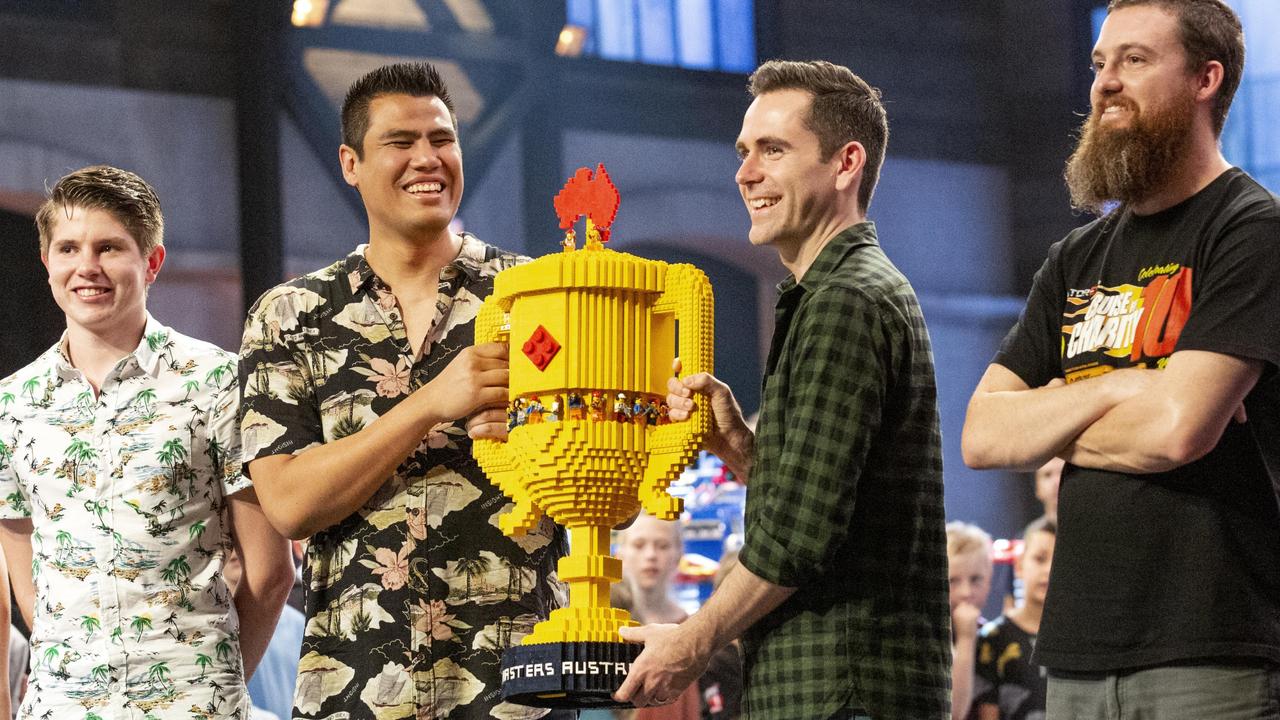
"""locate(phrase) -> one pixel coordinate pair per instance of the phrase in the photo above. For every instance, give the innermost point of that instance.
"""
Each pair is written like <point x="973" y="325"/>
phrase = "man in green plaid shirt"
<point x="841" y="594"/>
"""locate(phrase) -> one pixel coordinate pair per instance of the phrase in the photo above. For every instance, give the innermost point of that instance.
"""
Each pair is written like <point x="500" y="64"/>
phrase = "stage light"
<point x="309" y="13"/>
<point x="571" y="40"/>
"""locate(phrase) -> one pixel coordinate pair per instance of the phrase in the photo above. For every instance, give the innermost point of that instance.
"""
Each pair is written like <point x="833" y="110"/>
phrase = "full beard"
<point x="1127" y="165"/>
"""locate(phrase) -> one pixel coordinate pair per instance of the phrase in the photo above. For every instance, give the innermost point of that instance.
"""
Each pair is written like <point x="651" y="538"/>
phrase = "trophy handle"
<point x="672" y="447"/>
<point x="495" y="456"/>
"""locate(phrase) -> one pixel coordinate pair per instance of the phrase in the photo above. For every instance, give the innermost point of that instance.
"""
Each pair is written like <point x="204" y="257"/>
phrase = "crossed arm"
<point x="1130" y="420"/>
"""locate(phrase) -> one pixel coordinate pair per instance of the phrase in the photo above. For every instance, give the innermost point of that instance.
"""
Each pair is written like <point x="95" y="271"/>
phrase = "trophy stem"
<point x="589" y="570"/>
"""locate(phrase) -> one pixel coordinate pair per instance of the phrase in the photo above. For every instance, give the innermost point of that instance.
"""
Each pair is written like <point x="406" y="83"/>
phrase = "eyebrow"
<point x="399" y="134"/>
<point x="766" y="140"/>
<point x="1125" y="47"/>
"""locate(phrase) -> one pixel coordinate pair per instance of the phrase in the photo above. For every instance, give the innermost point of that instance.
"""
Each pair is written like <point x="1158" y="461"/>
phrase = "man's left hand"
<point x="669" y="663"/>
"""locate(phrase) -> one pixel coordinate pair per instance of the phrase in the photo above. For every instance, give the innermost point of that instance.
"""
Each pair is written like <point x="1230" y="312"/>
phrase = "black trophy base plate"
<point x="567" y="675"/>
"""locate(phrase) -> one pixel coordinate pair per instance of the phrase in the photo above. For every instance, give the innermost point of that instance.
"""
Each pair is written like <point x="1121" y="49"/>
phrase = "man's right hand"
<point x="731" y="439"/>
<point x="473" y="381"/>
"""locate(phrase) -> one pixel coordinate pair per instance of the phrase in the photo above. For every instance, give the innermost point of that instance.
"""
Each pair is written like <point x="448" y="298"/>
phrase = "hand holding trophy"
<point x="593" y="333"/>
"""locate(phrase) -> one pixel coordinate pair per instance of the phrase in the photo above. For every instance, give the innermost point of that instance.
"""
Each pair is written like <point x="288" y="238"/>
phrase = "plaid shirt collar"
<point x="831" y="256"/>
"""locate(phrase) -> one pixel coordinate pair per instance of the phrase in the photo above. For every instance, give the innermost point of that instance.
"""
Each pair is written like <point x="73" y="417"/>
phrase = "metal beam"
<point x="258" y="30"/>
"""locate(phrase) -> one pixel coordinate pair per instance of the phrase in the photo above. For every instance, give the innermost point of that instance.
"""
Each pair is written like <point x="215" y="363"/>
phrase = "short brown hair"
<point x="129" y="198"/>
<point x="1210" y="30"/>
<point x="844" y="109"/>
<point x="413" y="79"/>
<point x="1044" y="524"/>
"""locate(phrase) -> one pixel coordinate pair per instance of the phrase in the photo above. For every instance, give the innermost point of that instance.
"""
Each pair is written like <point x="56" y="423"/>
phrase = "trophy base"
<point x="567" y="675"/>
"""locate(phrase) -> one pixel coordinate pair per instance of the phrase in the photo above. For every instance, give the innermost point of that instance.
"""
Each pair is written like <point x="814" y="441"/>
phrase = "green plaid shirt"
<point x="845" y="501"/>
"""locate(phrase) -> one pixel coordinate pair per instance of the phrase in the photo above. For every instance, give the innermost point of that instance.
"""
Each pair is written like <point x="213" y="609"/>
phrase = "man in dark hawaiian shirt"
<point x="353" y="377"/>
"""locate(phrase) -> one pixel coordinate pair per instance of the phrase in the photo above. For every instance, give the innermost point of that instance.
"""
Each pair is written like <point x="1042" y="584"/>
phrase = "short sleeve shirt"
<point x="1182" y="565"/>
<point x="126" y="491"/>
<point x="1004" y="674"/>
<point x="412" y="599"/>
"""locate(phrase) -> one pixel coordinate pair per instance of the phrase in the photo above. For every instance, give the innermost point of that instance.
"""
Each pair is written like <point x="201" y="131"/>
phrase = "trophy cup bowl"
<point x="592" y="333"/>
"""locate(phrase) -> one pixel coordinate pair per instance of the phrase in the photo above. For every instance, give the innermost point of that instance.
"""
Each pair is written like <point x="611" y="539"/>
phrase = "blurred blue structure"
<point x="692" y="34"/>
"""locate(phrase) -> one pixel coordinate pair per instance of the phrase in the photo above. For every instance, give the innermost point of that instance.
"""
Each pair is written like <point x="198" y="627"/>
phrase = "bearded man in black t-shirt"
<point x="1146" y="358"/>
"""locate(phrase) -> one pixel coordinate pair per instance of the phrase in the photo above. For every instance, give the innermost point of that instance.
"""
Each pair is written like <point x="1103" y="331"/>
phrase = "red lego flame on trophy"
<point x="592" y="195"/>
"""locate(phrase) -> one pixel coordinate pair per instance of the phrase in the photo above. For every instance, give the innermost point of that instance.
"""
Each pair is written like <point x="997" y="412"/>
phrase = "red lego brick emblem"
<point x="541" y="347"/>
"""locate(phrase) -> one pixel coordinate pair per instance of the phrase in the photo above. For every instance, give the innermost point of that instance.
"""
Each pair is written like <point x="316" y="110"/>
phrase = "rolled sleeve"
<point x="832" y="404"/>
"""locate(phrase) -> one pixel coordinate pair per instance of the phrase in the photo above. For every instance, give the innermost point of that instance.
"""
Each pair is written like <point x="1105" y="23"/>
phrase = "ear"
<point x="348" y="160"/>
<point x="154" y="262"/>
<point x="1209" y="80"/>
<point x="850" y="160"/>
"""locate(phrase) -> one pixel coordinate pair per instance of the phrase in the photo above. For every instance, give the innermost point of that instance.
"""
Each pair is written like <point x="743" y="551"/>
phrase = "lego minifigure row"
<point x="639" y="409"/>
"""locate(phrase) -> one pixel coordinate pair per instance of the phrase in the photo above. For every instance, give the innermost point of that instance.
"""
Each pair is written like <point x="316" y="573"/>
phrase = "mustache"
<point x="1123" y="103"/>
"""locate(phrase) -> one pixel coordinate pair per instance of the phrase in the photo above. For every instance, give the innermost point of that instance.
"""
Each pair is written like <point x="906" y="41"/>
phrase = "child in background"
<point x="969" y="571"/>
<point x="1007" y="685"/>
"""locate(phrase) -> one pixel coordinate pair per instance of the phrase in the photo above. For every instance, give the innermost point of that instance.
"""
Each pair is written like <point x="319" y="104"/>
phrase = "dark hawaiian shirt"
<point x="412" y="599"/>
<point x="845" y="501"/>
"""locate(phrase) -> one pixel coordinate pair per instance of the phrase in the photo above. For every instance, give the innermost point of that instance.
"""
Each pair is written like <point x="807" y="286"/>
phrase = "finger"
<point x="1240" y="415"/>
<point x="482" y="364"/>
<point x="634" y="634"/>
<point x="487" y="397"/>
<point x="492" y="350"/>
<point x="700" y="382"/>
<point x="679" y="402"/>
<point x="676" y="366"/>
<point x="676" y="388"/>
<point x="489" y="415"/>
<point x="487" y="431"/>
<point x="494" y="378"/>
<point x="627" y="690"/>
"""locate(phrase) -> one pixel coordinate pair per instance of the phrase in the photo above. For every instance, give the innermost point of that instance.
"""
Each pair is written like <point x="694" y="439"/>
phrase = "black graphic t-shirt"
<point x="1004" y="674"/>
<point x="1185" y="564"/>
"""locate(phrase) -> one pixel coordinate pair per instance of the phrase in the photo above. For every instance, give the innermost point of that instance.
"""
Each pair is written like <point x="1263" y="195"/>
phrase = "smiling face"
<point x="789" y="190"/>
<point x="98" y="274"/>
<point x="1140" y="66"/>
<point x="1145" y="105"/>
<point x="410" y="171"/>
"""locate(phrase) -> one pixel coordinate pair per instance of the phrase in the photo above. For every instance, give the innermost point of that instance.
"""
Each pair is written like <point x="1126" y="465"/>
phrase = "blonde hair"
<point x="677" y="537"/>
<point x="964" y="538"/>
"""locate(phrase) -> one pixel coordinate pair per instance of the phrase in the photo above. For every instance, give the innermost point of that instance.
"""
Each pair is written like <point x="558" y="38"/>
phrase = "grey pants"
<point x="1175" y="692"/>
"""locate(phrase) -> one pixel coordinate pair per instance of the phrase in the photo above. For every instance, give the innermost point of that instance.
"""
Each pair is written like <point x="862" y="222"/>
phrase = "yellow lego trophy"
<point x="593" y="333"/>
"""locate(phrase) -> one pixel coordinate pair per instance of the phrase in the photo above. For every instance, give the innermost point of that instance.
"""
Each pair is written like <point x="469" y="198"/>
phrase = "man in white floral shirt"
<point x="354" y="376"/>
<point x="120" y="485"/>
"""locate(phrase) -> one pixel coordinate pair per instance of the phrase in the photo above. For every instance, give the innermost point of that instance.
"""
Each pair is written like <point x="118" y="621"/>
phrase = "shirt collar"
<point x="832" y="256"/>
<point x="470" y="256"/>
<point x="147" y="355"/>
